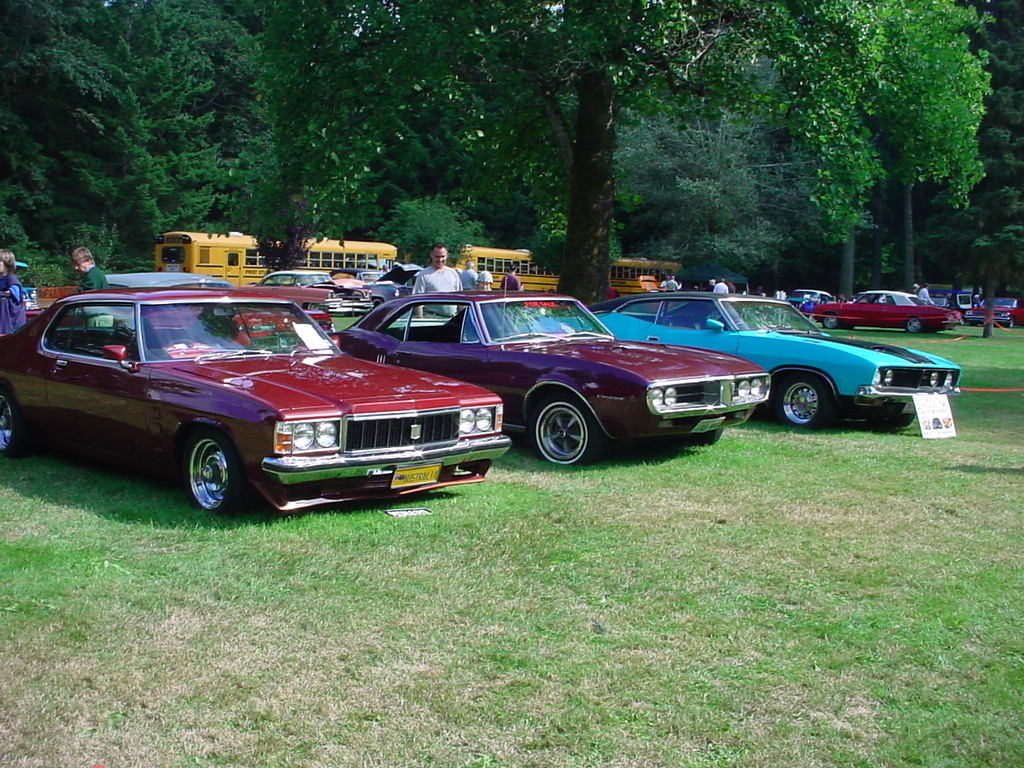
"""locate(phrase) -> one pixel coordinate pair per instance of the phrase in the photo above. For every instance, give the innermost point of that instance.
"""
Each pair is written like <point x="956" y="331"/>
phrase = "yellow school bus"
<point x="234" y="256"/>
<point x="625" y="276"/>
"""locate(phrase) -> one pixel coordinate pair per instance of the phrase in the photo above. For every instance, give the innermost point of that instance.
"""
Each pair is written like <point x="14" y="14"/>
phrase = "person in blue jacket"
<point x="12" y="294"/>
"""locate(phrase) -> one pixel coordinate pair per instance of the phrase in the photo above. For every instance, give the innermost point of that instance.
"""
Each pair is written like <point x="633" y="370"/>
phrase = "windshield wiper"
<point x="529" y="335"/>
<point x="233" y="353"/>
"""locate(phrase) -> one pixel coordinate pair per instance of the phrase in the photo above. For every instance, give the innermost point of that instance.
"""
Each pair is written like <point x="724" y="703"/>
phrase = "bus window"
<point x="173" y="254"/>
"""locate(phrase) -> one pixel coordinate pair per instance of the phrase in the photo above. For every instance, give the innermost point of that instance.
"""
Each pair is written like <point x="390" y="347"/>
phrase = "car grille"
<point x="391" y="430"/>
<point x="703" y="393"/>
<point x="918" y="378"/>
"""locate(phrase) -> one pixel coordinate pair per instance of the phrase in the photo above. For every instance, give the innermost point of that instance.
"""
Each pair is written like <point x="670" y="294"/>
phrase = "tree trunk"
<point x="877" y="235"/>
<point x="846" y="267"/>
<point x="908" y="236"/>
<point x="990" y="304"/>
<point x="585" y="262"/>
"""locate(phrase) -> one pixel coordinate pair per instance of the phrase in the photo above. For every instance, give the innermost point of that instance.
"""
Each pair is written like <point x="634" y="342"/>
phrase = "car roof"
<point x="157" y="279"/>
<point x="480" y="297"/>
<point x="151" y="294"/>
<point x="298" y="272"/>
<point x="611" y="304"/>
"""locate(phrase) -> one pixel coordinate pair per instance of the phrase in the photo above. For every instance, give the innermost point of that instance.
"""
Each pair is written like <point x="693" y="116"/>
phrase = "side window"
<point x="232" y="259"/>
<point x="687" y="314"/>
<point x="87" y="329"/>
<point x="643" y="310"/>
<point x="398" y="325"/>
<point x="470" y="333"/>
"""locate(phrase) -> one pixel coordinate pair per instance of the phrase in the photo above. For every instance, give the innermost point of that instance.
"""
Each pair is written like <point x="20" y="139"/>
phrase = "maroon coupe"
<point x="564" y="379"/>
<point x="230" y="391"/>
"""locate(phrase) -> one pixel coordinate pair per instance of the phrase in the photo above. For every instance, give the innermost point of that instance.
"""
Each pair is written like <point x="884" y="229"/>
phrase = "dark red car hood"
<point x="319" y="382"/>
<point x="651" y="361"/>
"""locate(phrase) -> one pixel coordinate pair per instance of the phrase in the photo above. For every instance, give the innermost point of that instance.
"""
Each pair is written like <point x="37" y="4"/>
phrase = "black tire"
<point x="15" y="439"/>
<point x="913" y="325"/>
<point x="702" y="439"/>
<point x="831" y="322"/>
<point x="213" y="474"/>
<point x="804" y="400"/>
<point x="564" y="431"/>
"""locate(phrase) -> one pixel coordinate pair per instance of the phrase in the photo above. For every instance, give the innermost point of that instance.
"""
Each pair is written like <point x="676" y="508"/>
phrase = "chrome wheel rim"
<point x="6" y="424"/>
<point x="561" y="434"/>
<point x="800" y="403"/>
<point x="208" y="474"/>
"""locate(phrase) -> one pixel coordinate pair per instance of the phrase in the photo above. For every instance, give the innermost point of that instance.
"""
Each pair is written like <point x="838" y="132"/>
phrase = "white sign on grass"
<point x="934" y="415"/>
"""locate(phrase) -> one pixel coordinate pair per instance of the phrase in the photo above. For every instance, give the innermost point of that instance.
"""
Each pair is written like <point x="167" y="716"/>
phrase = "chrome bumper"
<point x="890" y="393"/>
<point x="289" y="470"/>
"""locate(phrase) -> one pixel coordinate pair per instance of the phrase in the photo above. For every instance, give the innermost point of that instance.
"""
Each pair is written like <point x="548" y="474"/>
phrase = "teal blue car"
<point x="816" y="378"/>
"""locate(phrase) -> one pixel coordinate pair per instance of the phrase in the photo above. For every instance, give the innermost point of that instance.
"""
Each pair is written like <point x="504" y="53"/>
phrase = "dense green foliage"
<point x="122" y="120"/>
<point x="991" y="227"/>
<point x="537" y="90"/>
<point x="531" y="120"/>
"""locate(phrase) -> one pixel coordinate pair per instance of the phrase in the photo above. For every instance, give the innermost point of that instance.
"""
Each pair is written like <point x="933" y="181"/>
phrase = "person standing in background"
<point x="12" y="294"/>
<point x="511" y="281"/>
<point x="468" y="276"/>
<point x="438" y="276"/>
<point x="93" y="277"/>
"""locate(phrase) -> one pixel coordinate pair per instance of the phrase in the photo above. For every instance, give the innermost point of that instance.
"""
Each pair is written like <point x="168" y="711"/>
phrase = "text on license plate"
<point x="708" y="424"/>
<point x="406" y="476"/>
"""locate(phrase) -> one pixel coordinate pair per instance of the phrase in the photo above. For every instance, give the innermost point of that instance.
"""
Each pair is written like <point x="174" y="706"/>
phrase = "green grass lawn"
<point x="840" y="598"/>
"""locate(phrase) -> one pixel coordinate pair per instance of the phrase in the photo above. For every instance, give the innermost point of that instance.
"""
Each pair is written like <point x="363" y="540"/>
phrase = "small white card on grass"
<point x="413" y="512"/>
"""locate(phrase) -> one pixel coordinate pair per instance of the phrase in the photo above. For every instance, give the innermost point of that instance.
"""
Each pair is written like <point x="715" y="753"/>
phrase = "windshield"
<point x="189" y="330"/>
<point x="768" y="316"/>
<point x="510" y="320"/>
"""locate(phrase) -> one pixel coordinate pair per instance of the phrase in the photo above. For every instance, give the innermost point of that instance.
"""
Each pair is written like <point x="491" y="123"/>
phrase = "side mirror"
<point x="714" y="325"/>
<point x="119" y="352"/>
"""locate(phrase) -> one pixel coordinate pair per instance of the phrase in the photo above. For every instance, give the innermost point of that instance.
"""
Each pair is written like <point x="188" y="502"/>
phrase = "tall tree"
<point x="987" y="238"/>
<point x="538" y="89"/>
<point x="122" y="118"/>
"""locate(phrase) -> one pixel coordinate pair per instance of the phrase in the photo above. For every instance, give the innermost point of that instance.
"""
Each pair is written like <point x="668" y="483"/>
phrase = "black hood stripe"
<point x="900" y="352"/>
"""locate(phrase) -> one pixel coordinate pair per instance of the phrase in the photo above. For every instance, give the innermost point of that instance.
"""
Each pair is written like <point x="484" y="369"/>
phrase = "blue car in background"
<point x="816" y="378"/>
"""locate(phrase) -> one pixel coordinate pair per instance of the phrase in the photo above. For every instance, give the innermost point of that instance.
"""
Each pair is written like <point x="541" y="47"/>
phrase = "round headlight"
<point x="744" y="388"/>
<point x="934" y="379"/>
<point x="887" y="378"/>
<point x="303" y="436"/>
<point x="467" y="418"/>
<point x="657" y="397"/>
<point x="327" y="434"/>
<point x="484" y="420"/>
<point x="670" y="397"/>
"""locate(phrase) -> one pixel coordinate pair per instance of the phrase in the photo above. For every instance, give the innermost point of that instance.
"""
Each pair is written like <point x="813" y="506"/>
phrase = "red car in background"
<point x="1005" y="312"/>
<point x="231" y="392"/>
<point x="886" y="309"/>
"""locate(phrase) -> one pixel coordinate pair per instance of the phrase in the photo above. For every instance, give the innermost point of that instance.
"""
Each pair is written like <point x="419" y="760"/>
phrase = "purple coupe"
<point x="564" y="379"/>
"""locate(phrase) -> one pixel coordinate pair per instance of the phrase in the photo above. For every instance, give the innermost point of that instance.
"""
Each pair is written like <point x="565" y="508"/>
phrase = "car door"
<point x="439" y="337"/>
<point x="867" y="310"/>
<point x="96" y="405"/>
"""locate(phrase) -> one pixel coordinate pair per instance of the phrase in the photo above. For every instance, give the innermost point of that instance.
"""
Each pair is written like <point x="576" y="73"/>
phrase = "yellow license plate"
<point x="406" y="476"/>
